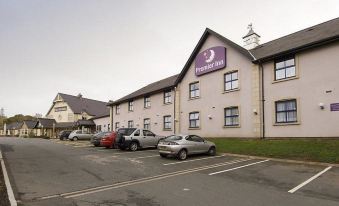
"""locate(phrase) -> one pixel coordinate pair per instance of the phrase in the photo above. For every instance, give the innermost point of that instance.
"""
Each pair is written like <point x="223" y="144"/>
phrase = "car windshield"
<point x="127" y="131"/>
<point x="173" y="138"/>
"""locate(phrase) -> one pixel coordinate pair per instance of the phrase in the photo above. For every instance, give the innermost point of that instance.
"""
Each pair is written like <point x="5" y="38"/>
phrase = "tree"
<point x="18" y="118"/>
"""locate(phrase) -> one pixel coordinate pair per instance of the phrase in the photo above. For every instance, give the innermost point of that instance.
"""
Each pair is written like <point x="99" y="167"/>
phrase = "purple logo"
<point x="334" y="107"/>
<point x="210" y="60"/>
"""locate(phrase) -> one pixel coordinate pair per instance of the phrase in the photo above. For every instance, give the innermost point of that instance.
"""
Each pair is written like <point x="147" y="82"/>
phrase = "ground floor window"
<point x="231" y="116"/>
<point x="286" y="111"/>
<point x="117" y="126"/>
<point x="147" y="123"/>
<point x="99" y="128"/>
<point x="194" y="121"/>
<point x="167" y="122"/>
<point x="130" y="124"/>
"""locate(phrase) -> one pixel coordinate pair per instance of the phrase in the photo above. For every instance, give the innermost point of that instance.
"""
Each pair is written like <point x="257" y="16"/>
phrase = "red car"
<point x="108" y="141"/>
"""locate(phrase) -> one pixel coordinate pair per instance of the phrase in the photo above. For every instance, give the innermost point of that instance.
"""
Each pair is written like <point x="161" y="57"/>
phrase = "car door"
<point x="200" y="144"/>
<point x="137" y="135"/>
<point x="150" y="138"/>
<point x="191" y="145"/>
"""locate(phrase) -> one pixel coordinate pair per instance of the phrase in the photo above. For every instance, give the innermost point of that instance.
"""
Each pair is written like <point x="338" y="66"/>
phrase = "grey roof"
<point x="30" y="123"/>
<point x="14" y="125"/>
<point x="84" y="122"/>
<point x="90" y="106"/>
<point x="61" y="125"/>
<point x="152" y="88"/>
<point x="250" y="32"/>
<point x="313" y="36"/>
<point x="46" y="123"/>
<point x="98" y="117"/>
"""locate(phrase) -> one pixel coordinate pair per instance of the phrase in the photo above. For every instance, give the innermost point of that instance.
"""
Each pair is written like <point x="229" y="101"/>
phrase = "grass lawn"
<point x="308" y="150"/>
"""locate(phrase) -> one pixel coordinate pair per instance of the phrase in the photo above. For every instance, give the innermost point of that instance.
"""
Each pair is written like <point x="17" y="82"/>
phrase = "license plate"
<point x="162" y="147"/>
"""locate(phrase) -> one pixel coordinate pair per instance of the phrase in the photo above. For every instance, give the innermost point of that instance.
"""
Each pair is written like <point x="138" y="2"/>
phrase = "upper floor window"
<point x="284" y="68"/>
<point x="194" y="90"/>
<point x="147" y="123"/>
<point x="286" y="111"/>
<point x="117" y="109"/>
<point x="194" y="121"/>
<point x="167" y="122"/>
<point x="231" y="116"/>
<point x="147" y="102"/>
<point x="130" y="105"/>
<point x="167" y="97"/>
<point x="231" y="81"/>
<point x="130" y="124"/>
<point x="59" y="109"/>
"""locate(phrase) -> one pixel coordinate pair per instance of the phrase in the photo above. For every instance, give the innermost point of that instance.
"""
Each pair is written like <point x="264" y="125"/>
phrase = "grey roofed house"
<point x="65" y="125"/>
<point x="14" y="125"/>
<point x="30" y="123"/>
<point x="152" y="88"/>
<point x="307" y="38"/>
<point x="46" y="123"/>
<point x="78" y="104"/>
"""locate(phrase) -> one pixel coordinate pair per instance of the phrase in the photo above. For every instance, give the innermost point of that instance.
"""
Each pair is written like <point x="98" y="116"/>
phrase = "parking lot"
<point x="54" y="172"/>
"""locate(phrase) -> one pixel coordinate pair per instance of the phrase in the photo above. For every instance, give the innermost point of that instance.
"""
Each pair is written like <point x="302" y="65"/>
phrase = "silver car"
<point x="183" y="145"/>
<point x="80" y="135"/>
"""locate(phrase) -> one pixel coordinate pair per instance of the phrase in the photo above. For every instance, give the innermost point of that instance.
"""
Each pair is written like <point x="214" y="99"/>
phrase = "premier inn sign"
<point x="210" y="60"/>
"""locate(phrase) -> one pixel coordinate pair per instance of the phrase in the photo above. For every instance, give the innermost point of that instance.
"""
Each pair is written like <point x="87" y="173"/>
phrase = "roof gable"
<point x="199" y="45"/>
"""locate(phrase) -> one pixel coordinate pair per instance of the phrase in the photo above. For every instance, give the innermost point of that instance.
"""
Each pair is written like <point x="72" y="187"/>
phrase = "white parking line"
<point x="235" y="168"/>
<point x="144" y="157"/>
<point x="309" y="180"/>
<point x="130" y="152"/>
<point x="139" y="181"/>
<point x="174" y="163"/>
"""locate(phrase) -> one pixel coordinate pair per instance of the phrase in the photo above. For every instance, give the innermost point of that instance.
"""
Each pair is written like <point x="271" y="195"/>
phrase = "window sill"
<point x="229" y="91"/>
<point x="169" y="103"/>
<point x="284" y="80"/>
<point x="193" y="98"/>
<point x="194" y="128"/>
<point x="286" y="124"/>
<point x="235" y="126"/>
<point x="147" y="107"/>
<point x="130" y="111"/>
<point x="167" y="129"/>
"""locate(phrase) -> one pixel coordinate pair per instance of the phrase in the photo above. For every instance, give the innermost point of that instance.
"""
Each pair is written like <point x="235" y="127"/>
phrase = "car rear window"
<point x="173" y="138"/>
<point x="127" y="131"/>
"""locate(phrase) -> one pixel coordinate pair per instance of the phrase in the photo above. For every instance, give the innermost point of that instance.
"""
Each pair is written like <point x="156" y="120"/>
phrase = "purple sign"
<point x="334" y="107"/>
<point x="210" y="60"/>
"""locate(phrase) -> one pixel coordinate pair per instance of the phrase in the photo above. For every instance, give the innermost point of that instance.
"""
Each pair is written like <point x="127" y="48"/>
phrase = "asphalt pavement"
<point x="53" y="172"/>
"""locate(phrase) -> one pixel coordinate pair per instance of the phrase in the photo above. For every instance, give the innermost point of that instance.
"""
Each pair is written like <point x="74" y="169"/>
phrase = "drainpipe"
<point x="262" y="99"/>
<point x="174" y="117"/>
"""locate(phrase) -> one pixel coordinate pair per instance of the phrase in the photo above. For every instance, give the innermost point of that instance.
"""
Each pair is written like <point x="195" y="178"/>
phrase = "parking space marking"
<point x="139" y="181"/>
<point x="144" y="157"/>
<point x="174" y="163"/>
<point x="235" y="168"/>
<point x="309" y="180"/>
<point x="131" y="152"/>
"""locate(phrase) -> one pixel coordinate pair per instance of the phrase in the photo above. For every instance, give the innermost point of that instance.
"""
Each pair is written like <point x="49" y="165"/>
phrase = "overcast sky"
<point x="106" y="49"/>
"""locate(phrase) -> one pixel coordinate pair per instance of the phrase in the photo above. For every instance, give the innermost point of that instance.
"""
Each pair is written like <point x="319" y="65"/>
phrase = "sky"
<point x="106" y="49"/>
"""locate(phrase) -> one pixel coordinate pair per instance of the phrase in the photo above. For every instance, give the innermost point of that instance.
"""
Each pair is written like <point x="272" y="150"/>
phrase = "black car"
<point x="63" y="135"/>
<point x="97" y="138"/>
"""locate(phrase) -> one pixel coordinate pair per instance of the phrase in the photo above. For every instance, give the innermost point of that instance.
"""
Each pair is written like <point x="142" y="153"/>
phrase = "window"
<point x="194" y="90"/>
<point x="147" y="102"/>
<point x="167" y="122"/>
<point x="286" y="111"/>
<point x="285" y="68"/>
<point x="167" y="97"/>
<point x="130" y="124"/>
<point x="194" y="121"/>
<point x="231" y="116"/>
<point x="130" y="106"/>
<point x="99" y="128"/>
<point x="59" y="109"/>
<point x="194" y="138"/>
<point x="117" y="109"/>
<point x="231" y="81"/>
<point x="147" y="123"/>
<point x="117" y="126"/>
<point x="109" y="127"/>
<point x="148" y="133"/>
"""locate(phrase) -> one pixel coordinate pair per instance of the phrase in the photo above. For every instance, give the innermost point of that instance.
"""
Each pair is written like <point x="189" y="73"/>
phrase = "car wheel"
<point x="212" y="151"/>
<point x="182" y="155"/>
<point x="133" y="146"/>
<point x="163" y="155"/>
<point x="75" y="138"/>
